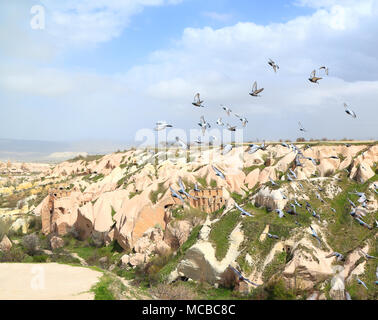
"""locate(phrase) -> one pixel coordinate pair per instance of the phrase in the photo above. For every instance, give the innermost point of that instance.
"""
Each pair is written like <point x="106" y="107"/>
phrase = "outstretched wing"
<point x="254" y="87"/>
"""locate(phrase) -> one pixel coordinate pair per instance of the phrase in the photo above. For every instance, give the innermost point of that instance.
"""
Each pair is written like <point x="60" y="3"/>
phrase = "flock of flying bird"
<point x="291" y="176"/>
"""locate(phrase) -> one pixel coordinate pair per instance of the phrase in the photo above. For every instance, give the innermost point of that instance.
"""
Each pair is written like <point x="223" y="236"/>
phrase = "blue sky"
<point x="159" y="27"/>
<point x="104" y="69"/>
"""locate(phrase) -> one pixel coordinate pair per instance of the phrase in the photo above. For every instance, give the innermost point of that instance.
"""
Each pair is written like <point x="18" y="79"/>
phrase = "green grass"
<point x="102" y="290"/>
<point x="172" y="264"/>
<point x="202" y="181"/>
<point x="276" y="265"/>
<point x="154" y="194"/>
<point x="221" y="231"/>
<point x="342" y="225"/>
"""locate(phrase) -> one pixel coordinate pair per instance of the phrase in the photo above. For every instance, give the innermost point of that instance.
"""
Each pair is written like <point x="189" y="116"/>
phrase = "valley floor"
<point x="47" y="281"/>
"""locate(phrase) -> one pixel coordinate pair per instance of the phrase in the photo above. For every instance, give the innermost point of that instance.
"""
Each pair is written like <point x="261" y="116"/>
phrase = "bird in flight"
<point x="272" y="182"/>
<point x="367" y="256"/>
<point x="219" y="173"/>
<point x="204" y="125"/>
<point x="339" y="256"/>
<point x="301" y="128"/>
<point x="273" y="65"/>
<point x="255" y="92"/>
<point x="162" y="125"/>
<point x="182" y="144"/>
<point x="231" y="128"/>
<point x="315" y="235"/>
<point x="220" y="122"/>
<point x="183" y="191"/>
<point x="228" y="110"/>
<point x="241" y="277"/>
<point x="313" y="78"/>
<point x="326" y="69"/>
<point x="359" y="281"/>
<point x="226" y="149"/>
<point x="272" y="236"/>
<point x="244" y="121"/>
<point x="349" y="111"/>
<point x="244" y="213"/>
<point x="280" y="213"/>
<point x="197" y="101"/>
<point x="176" y="195"/>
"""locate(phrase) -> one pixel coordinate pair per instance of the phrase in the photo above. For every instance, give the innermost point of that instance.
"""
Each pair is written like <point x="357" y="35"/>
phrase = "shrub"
<point x="98" y="239"/>
<point x="31" y="243"/>
<point x="173" y="292"/>
<point x="4" y="228"/>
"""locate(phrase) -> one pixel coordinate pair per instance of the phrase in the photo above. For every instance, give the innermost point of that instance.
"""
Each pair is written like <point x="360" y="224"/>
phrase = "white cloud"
<point x="89" y="22"/>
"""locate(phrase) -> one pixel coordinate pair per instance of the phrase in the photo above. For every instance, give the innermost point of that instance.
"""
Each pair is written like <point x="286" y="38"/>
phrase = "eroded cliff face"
<point x="126" y="197"/>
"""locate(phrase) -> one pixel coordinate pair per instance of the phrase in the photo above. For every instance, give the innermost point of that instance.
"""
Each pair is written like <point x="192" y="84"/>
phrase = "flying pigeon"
<point x="204" y="125"/>
<point x="285" y="145"/>
<point x="359" y="281"/>
<point x="228" y="110"/>
<point x="293" y="173"/>
<point x="227" y="149"/>
<point x="212" y="139"/>
<point x="280" y="213"/>
<point x="313" y="78"/>
<point x="289" y="177"/>
<point x="301" y="128"/>
<point x="318" y="196"/>
<point x="241" y="277"/>
<point x="325" y="69"/>
<point x="196" y="188"/>
<point x="244" y="121"/>
<point x="334" y="210"/>
<point x="219" y="173"/>
<point x="315" y="235"/>
<point x="297" y="203"/>
<point x="272" y="236"/>
<point x="312" y="160"/>
<point x="352" y="203"/>
<point x="253" y="148"/>
<point x="367" y="256"/>
<point x="362" y="223"/>
<point x="339" y="256"/>
<point x="272" y="182"/>
<point x="220" y="122"/>
<point x="283" y="195"/>
<point x="349" y="111"/>
<point x="255" y="92"/>
<point x="176" y="195"/>
<point x="162" y="125"/>
<point x="273" y="65"/>
<point x="244" y="213"/>
<point x="183" y="191"/>
<point x="182" y="144"/>
<point x="315" y="215"/>
<point x="198" y="141"/>
<point x="231" y="128"/>
<point x="197" y="101"/>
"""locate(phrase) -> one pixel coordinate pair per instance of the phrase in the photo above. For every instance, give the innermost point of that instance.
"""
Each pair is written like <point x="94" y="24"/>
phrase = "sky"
<point x="106" y="69"/>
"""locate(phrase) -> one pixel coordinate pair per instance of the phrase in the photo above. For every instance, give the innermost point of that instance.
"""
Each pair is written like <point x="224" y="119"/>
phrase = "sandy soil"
<point x="47" y="281"/>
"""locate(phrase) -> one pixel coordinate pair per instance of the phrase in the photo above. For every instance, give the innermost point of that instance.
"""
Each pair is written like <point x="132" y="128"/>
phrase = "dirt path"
<point x="48" y="281"/>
